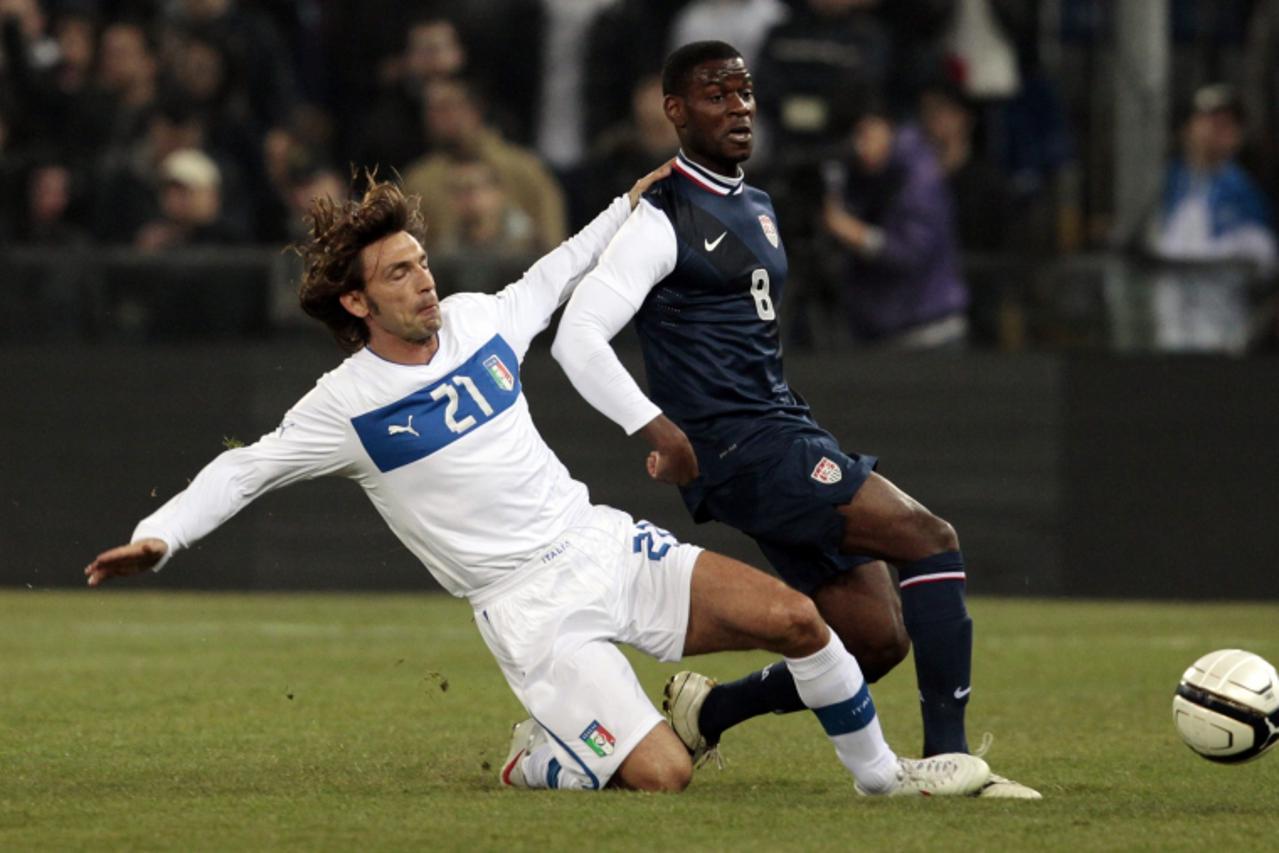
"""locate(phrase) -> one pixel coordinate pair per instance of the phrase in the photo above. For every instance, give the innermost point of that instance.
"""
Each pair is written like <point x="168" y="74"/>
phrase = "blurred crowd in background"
<point x="899" y="138"/>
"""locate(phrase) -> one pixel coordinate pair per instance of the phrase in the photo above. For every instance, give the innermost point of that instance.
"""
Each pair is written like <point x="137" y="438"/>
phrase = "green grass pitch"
<point x="141" y="721"/>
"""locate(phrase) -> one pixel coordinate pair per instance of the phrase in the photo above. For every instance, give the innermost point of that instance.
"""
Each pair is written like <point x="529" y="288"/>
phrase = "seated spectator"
<point x="483" y="217"/>
<point x="456" y="127"/>
<point x="309" y="180"/>
<point x="253" y="49"/>
<point x="490" y="241"/>
<point x="127" y="73"/>
<point x="892" y="214"/>
<point x="56" y="109"/>
<point x="625" y="42"/>
<point x="634" y="147"/>
<point x="190" y="205"/>
<point x="392" y="131"/>
<point x="128" y="194"/>
<point x="984" y="210"/>
<point x="49" y="220"/>
<point x="1211" y="210"/>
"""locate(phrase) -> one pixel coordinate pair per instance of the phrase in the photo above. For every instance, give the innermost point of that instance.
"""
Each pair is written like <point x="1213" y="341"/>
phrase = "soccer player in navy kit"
<point x="700" y="266"/>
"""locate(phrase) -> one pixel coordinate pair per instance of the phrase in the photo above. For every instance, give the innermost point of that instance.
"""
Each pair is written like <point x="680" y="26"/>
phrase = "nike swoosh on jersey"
<point x="961" y="692"/>
<point x="711" y="245"/>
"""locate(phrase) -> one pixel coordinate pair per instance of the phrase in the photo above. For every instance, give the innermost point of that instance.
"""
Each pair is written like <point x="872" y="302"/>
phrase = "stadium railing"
<point x="1104" y="301"/>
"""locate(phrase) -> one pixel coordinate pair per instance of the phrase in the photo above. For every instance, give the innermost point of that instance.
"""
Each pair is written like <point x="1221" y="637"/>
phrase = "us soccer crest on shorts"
<point x="599" y="739"/>
<point x="827" y="472"/>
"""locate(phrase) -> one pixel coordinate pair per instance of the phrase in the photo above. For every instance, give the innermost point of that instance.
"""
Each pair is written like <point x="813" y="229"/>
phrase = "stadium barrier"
<point x="1100" y="301"/>
<point x="1076" y="473"/>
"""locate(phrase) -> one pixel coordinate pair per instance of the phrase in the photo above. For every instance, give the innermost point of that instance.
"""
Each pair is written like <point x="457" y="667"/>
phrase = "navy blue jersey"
<point x="709" y="330"/>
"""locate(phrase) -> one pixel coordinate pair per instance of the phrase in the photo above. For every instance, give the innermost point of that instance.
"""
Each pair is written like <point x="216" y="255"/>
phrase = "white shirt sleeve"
<point x="643" y="253"/>
<point x="307" y="444"/>
<point x="525" y="308"/>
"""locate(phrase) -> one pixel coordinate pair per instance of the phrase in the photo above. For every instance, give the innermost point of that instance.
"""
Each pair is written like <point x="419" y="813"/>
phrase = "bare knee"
<point x="800" y="629"/>
<point x="938" y="534"/>
<point x="659" y="764"/>
<point x="879" y="655"/>
<point x="667" y="778"/>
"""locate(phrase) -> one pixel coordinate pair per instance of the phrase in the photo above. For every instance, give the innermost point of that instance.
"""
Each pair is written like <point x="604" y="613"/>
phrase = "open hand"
<point x="642" y="185"/>
<point x="141" y="556"/>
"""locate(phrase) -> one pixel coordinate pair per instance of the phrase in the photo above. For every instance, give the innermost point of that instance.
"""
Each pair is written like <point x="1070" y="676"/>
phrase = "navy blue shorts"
<point x="789" y="505"/>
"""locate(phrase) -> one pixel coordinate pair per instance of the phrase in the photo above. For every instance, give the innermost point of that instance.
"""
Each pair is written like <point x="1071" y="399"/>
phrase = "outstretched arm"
<point x="642" y="254"/>
<point x="306" y="446"/>
<point x="526" y="307"/>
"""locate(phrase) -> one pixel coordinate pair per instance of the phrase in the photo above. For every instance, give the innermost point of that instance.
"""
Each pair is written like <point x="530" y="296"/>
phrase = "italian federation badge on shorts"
<point x="599" y="739"/>
<point x="827" y="472"/>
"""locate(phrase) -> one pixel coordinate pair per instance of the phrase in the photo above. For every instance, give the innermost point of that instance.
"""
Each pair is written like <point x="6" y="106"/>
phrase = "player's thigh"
<point x="864" y="609"/>
<point x="734" y="606"/>
<point x="883" y="521"/>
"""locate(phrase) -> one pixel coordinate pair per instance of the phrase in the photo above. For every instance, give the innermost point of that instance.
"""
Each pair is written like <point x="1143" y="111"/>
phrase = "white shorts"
<point x="610" y="580"/>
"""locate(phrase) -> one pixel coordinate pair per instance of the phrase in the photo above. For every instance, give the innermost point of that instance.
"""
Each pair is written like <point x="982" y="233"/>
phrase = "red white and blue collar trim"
<point x="707" y="179"/>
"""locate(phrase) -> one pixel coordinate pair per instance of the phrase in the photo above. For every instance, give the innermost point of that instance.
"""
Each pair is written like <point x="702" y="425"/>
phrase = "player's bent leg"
<point x="733" y="606"/>
<point x="862" y="606"/>
<point x="660" y="763"/>
<point x="883" y="520"/>
<point x="736" y="607"/>
<point x="586" y="697"/>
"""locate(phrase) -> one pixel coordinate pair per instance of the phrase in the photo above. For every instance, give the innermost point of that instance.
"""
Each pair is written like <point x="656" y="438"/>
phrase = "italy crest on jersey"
<point x="497" y="370"/>
<point x="770" y="230"/>
<point x="599" y="739"/>
<point x="827" y="472"/>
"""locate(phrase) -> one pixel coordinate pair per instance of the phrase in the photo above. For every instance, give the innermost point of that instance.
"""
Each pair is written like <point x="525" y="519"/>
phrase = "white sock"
<point x="543" y="770"/>
<point x="831" y="683"/>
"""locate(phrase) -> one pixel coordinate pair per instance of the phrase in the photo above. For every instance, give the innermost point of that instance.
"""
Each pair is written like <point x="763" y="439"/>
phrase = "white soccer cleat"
<point x="682" y="699"/>
<point x="1002" y="788"/>
<point x="526" y="736"/>
<point x="950" y="774"/>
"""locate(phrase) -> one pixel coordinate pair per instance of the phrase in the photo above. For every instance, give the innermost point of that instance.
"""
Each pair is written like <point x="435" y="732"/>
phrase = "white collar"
<point x="708" y="180"/>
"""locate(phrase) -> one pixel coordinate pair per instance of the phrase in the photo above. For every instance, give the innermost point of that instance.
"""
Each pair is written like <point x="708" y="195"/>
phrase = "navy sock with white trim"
<point x="936" y="617"/>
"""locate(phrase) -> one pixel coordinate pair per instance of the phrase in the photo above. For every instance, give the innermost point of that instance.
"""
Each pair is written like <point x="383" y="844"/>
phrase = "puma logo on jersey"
<point x="711" y="245"/>
<point x="396" y="429"/>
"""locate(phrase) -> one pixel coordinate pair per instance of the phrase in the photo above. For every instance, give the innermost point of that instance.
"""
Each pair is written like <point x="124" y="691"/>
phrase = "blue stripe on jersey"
<point x="851" y="715"/>
<point x="428" y="420"/>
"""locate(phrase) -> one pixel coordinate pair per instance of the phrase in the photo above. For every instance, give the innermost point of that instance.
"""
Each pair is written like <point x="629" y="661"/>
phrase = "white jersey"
<point x="446" y="451"/>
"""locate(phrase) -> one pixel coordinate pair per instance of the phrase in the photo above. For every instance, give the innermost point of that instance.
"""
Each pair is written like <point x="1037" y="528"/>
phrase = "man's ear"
<point x="673" y="106"/>
<point x="355" y="303"/>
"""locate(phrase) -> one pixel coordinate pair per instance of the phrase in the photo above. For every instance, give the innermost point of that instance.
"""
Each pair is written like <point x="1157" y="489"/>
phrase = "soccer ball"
<point x="1227" y="706"/>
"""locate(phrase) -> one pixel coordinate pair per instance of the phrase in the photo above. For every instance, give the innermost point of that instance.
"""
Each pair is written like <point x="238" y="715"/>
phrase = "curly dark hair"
<point x="339" y="231"/>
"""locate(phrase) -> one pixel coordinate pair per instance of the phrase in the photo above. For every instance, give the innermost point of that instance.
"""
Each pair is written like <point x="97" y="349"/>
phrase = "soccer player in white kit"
<point x="428" y="416"/>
